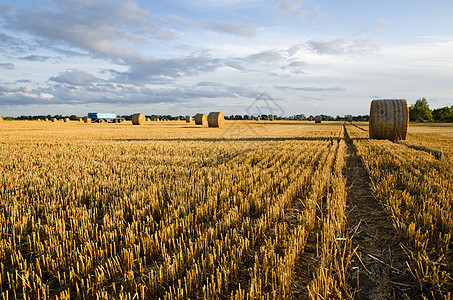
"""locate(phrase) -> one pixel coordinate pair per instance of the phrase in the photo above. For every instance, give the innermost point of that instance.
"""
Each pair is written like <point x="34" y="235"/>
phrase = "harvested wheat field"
<point x="267" y="210"/>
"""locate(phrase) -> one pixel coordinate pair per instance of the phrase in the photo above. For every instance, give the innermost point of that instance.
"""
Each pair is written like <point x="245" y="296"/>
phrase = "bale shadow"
<point x="251" y="139"/>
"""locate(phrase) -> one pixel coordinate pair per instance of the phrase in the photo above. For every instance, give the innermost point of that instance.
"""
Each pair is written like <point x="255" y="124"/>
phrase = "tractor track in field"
<point x="379" y="267"/>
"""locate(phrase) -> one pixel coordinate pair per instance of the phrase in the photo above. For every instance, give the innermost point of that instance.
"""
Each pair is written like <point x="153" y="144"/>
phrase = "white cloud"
<point x="382" y="24"/>
<point x="238" y="29"/>
<point x="101" y="27"/>
<point x="7" y="66"/>
<point x="75" y="77"/>
<point x="340" y="46"/>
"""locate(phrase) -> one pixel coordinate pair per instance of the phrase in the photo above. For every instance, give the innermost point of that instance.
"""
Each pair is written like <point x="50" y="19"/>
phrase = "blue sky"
<point x="183" y="57"/>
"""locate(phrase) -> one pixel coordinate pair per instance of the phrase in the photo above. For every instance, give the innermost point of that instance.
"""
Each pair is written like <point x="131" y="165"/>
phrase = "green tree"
<point x="443" y="114"/>
<point x="420" y="110"/>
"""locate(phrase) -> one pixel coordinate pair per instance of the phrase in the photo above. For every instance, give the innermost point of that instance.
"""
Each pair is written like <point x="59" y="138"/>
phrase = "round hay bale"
<point x="201" y="119"/>
<point x="318" y="119"/>
<point x="66" y="120"/>
<point x="86" y="120"/>
<point x="1" y="119"/>
<point x="138" y="119"/>
<point x="216" y="119"/>
<point x="46" y="120"/>
<point x="54" y="120"/>
<point x="389" y="119"/>
<point x="258" y="119"/>
<point x="271" y="118"/>
<point x="188" y="119"/>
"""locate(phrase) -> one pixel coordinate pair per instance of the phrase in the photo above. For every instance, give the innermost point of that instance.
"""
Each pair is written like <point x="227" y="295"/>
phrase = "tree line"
<point x="420" y="111"/>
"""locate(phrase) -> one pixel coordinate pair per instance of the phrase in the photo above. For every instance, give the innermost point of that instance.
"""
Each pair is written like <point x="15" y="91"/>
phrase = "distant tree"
<point x="73" y="118"/>
<point x="443" y="114"/>
<point x="420" y="110"/>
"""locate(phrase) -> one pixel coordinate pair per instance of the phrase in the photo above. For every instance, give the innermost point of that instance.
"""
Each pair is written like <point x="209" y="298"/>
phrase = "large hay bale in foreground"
<point x="389" y="119"/>
<point x="138" y="119"/>
<point x="201" y="119"/>
<point x="318" y="119"/>
<point x="216" y="119"/>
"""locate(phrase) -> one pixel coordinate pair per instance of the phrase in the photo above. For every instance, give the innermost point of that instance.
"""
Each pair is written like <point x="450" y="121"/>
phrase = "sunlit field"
<point x="254" y="210"/>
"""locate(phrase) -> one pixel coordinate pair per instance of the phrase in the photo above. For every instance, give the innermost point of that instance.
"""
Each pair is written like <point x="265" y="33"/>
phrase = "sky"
<point x="183" y="57"/>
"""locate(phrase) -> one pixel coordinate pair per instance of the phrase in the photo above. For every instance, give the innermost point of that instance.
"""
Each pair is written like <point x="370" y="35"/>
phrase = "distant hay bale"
<point x="188" y="119"/>
<point x="46" y="120"/>
<point x="86" y="120"/>
<point x="258" y="118"/>
<point x="201" y="119"/>
<point x="148" y="119"/>
<point x="350" y="118"/>
<point x="389" y="119"/>
<point x="216" y="119"/>
<point x="138" y="119"/>
<point x="1" y="119"/>
<point x="271" y="118"/>
<point x="54" y="119"/>
<point x="318" y="119"/>
<point x="66" y="120"/>
<point x="310" y="118"/>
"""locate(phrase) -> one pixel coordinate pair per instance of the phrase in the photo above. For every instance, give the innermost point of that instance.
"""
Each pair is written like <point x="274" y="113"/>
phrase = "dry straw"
<point x="318" y="119"/>
<point x="138" y="119"/>
<point x="201" y="119"/>
<point x="215" y="119"/>
<point x="389" y="119"/>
